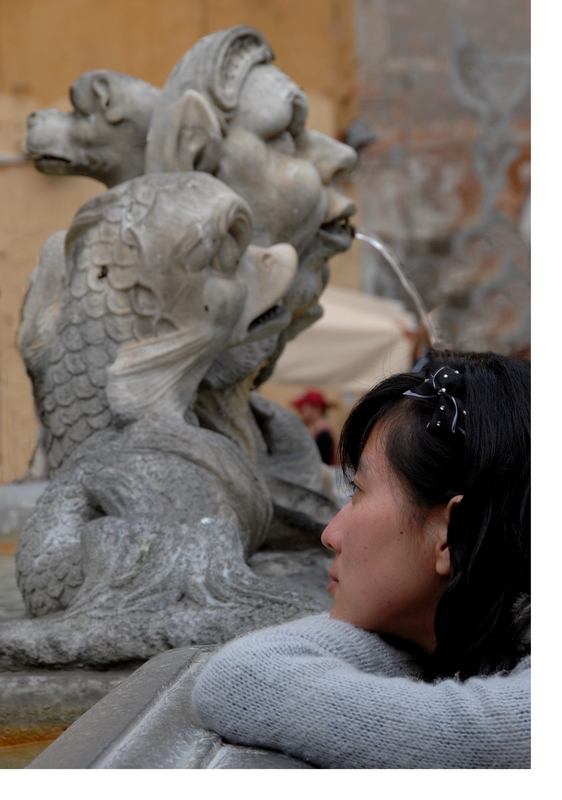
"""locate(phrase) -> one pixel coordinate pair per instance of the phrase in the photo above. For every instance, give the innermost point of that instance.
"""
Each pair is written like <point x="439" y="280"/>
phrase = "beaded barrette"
<point x="448" y="386"/>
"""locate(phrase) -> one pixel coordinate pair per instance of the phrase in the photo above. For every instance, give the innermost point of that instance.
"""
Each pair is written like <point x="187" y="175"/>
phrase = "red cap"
<point x="315" y="398"/>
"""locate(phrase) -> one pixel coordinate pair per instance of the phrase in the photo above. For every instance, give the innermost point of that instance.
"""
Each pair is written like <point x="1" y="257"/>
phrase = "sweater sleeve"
<point x="339" y="697"/>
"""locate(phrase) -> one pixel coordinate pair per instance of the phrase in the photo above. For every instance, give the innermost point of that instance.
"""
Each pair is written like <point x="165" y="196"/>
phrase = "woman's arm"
<point x="330" y="693"/>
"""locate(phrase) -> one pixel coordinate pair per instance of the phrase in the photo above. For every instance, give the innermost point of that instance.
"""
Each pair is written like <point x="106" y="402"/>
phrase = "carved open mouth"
<point x="338" y="232"/>
<point x="42" y="159"/>
<point x="278" y="313"/>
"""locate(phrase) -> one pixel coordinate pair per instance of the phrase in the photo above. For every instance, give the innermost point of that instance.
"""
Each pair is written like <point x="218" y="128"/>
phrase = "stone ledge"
<point x="147" y="722"/>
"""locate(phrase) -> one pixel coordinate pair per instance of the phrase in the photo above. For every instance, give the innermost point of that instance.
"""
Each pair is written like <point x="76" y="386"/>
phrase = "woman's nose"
<point x="331" y="535"/>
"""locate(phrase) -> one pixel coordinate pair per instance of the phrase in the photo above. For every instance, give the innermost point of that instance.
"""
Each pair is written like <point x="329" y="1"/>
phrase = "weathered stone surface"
<point x="224" y="109"/>
<point x="104" y="137"/>
<point x="249" y="118"/>
<point x="17" y="501"/>
<point x="155" y="566"/>
<point x="148" y="318"/>
<point x="299" y="570"/>
<point x="138" y="543"/>
<point x="147" y="722"/>
<point x="11" y="601"/>
<point x="446" y="87"/>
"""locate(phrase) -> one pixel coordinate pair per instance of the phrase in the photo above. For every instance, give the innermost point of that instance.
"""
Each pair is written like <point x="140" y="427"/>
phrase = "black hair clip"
<point x="448" y="385"/>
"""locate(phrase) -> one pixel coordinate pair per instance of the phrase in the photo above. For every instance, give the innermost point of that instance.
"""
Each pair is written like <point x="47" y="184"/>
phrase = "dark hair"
<point x="478" y="624"/>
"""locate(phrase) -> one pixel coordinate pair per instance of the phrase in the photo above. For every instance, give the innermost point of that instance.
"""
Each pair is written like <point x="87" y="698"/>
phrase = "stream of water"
<point x="391" y="257"/>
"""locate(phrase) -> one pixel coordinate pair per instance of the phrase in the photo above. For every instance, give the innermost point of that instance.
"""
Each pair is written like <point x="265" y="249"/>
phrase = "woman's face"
<point x="389" y="571"/>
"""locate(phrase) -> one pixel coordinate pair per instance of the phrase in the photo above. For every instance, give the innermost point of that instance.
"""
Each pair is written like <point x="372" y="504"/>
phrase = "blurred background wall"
<point x="434" y="93"/>
<point x="445" y="84"/>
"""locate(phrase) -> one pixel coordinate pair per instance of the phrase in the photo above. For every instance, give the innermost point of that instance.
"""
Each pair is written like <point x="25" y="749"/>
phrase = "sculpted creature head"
<point x="104" y="137"/>
<point x="159" y="280"/>
<point x="227" y="110"/>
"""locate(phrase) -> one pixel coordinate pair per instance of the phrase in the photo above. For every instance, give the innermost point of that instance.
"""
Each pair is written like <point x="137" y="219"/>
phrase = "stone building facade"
<point x="445" y="84"/>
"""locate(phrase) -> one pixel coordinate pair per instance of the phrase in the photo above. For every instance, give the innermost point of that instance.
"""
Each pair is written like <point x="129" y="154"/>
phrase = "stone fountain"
<point x="182" y="508"/>
<point x="146" y="330"/>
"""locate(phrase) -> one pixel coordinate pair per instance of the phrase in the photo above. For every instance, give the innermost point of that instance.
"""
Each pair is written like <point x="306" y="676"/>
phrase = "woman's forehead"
<point x="373" y="456"/>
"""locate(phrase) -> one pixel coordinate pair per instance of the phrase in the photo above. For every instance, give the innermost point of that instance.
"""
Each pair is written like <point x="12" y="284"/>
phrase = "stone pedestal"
<point x="37" y="706"/>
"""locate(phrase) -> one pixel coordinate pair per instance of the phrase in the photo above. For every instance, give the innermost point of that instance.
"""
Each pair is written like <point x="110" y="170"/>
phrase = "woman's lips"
<point x="332" y="585"/>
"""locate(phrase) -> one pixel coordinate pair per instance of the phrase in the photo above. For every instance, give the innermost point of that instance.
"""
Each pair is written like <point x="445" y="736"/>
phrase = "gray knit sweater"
<point x="340" y="697"/>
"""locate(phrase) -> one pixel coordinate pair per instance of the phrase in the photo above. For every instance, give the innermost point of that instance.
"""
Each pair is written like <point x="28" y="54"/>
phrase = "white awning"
<point x="359" y="340"/>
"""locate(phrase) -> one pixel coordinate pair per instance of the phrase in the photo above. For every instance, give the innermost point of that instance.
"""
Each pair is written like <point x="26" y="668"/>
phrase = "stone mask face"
<point x="287" y="175"/>
<point x="260" y="149"/>
<point x="260" y="161"/>
<point x="202" y="269"/>
<point x="289" y="178"/>
<point x="227" y="110"/>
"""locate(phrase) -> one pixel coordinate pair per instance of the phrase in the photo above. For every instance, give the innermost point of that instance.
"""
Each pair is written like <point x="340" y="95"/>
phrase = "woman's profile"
<point x="424" y="660"/>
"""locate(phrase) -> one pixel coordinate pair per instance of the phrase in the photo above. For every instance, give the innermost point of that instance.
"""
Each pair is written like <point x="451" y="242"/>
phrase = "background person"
<point x="312" y="407"/>
<point x="424" y="661"/>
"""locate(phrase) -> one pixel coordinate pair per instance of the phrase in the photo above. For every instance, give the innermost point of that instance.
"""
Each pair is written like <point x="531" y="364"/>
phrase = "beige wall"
<point x="46" y="44"/>
<point x="32" y="206"/>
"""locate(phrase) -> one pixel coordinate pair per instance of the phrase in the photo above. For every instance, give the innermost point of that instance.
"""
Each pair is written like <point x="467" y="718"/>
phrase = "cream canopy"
<point x="359" y="340"/>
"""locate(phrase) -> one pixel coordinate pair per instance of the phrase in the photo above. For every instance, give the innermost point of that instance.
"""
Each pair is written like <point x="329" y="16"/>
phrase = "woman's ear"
<point x="442" y="555"/>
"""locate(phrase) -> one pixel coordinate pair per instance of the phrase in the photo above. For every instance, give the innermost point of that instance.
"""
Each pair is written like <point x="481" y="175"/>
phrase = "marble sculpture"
<point x="138" y="543"/>
<point x="147" y="328"/>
